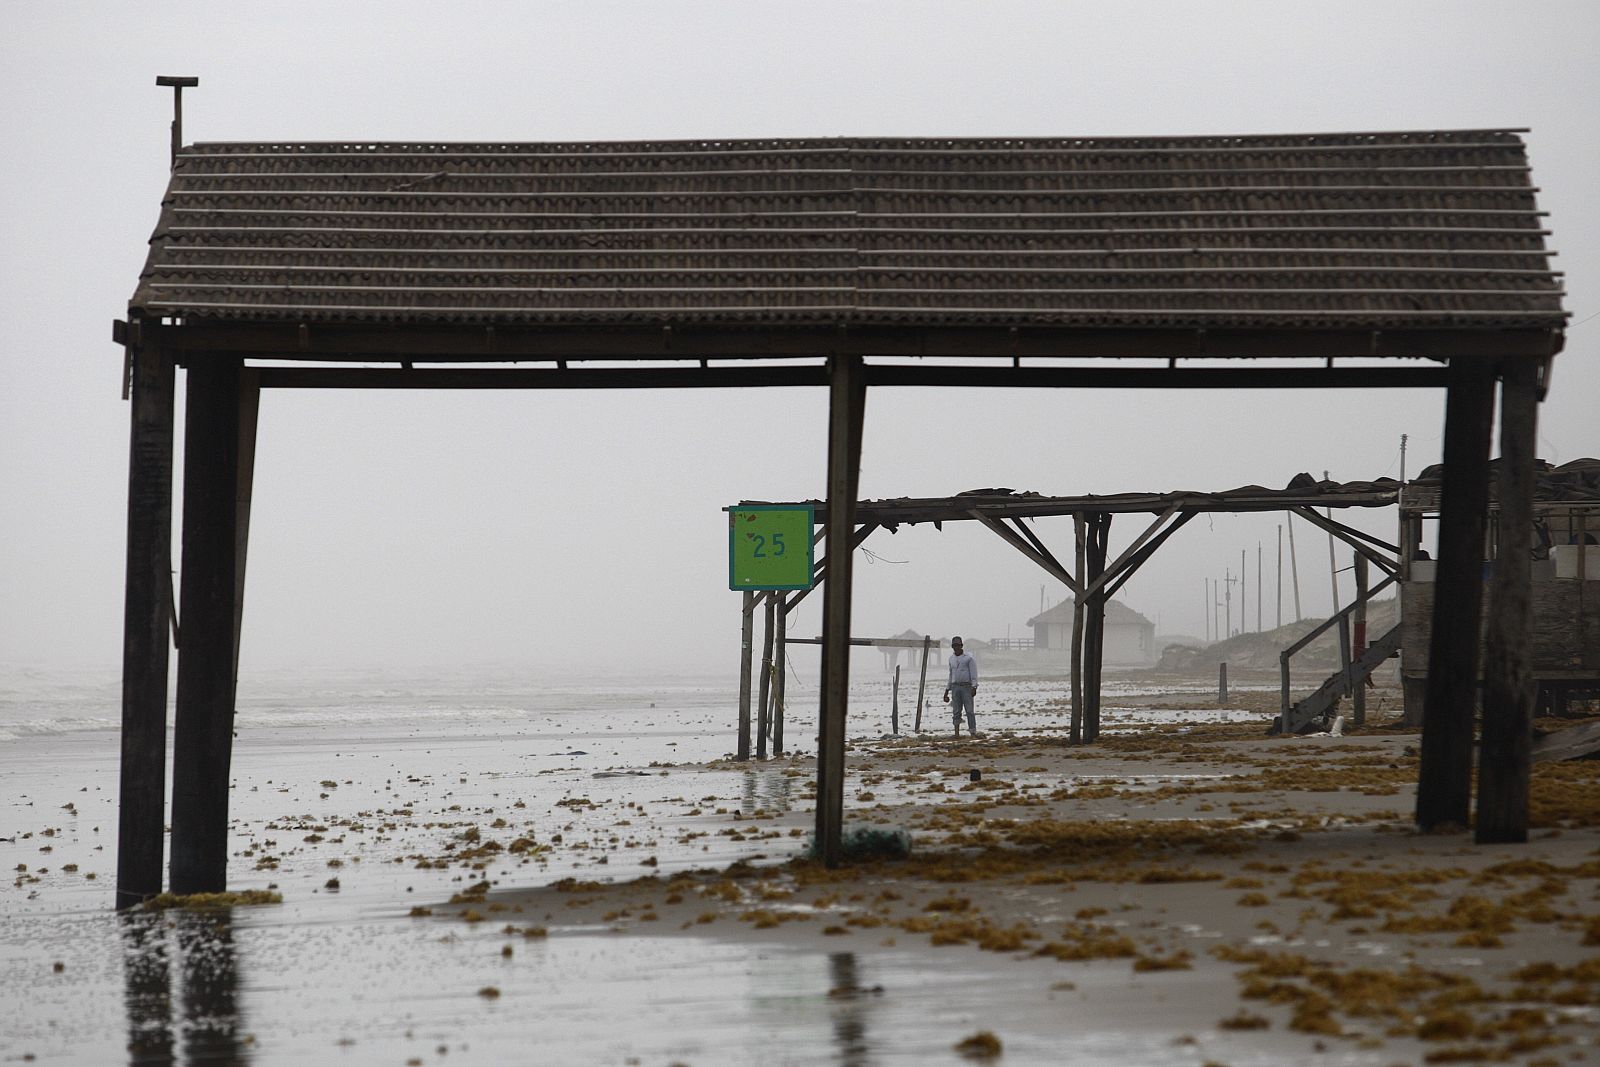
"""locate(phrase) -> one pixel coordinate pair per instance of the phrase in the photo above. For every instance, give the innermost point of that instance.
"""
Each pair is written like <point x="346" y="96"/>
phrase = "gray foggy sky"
<point x="529" y="528"/>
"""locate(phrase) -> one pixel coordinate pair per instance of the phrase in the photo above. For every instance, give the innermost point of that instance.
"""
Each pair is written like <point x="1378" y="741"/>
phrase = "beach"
<point x="476" y="868"/>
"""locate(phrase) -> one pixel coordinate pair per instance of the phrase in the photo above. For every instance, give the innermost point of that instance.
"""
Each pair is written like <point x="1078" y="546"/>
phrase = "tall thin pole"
<point x="1294" y="565"/>
<point x="1243" y="602"/>
<point x="1227" y="602"/>
<point x="1258" y="586"/>
<point x="1279" y="586"/>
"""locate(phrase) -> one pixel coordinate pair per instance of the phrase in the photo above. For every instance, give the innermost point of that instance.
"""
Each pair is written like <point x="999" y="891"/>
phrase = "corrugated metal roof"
<point x="1388" y="230"/>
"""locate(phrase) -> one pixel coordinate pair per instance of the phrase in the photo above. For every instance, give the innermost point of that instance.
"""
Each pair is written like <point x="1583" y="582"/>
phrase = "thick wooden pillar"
<point x="1094" y="631"/>
<point x="780" y="669"/>
<point x="1505" y="762"/>
<point x="847" y="396"/>
<point x="1075" y="731"/>
<point x="147" y="612"/>
<point x="1444" y="782"/>
<point x="764" y="701"/>
<point x="203" y="728"/>
<point x="747" y="628"/>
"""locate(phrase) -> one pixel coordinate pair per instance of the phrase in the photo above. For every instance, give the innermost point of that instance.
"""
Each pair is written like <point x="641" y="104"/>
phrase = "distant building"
<point x="1130" y="637"/>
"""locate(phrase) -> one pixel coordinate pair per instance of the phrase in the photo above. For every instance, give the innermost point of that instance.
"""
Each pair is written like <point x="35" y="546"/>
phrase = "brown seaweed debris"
<point x="242" y="897"/>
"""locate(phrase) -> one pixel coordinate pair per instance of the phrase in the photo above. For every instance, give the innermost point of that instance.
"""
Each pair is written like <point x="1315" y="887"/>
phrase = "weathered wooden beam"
<point x="1112" y="570"/>
<point x="249" y="415"/>
<point x="147" y="607"/>
<point x="1354" y="538"/>
<point x="203" y="725"/>
<point x="747" y="613"/>
<point x="1444" y="790"/>
<point x="1358" y="622"/>
<point x="847" y="394"/>
<point x="1094" y="623"/>
<point x="1505" y="760"/>
<point x="780" y="652"/>
<point x="513" y="341"/>
<point x="1075" y="731"/>
<point x="764" y="700"/>
<point x="1021" y="544"/>
<point x="922" y="682"/>
<point x="1132" y="566"/>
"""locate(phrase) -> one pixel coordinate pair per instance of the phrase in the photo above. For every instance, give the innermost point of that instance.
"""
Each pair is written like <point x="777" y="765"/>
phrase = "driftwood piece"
<point x="1574" y="742"/>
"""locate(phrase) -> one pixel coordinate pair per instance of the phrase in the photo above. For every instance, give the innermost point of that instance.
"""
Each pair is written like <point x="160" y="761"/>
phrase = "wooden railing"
<point x="1340" y="619"/>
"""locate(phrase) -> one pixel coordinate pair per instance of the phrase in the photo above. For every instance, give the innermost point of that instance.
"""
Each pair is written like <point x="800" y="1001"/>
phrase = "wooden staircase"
<point x="1316" y="711"/>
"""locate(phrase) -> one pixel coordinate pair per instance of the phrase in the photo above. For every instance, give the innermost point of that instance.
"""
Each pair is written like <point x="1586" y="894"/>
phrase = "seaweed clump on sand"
<point x="867" y="843"/>
<point x="201" y="901"/>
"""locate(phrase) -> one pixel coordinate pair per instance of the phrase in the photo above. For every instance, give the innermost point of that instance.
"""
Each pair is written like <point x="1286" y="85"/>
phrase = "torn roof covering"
<point x="1372" y="231"/>
<point x="1009" y="503"/>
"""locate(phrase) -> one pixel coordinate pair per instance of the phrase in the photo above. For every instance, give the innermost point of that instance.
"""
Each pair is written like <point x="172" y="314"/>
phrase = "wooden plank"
<point x="846" y="407"/>
<point x="203" y="724"/>
<point x="141" y="813"/>
<point x="1445" y="776"/>
<point x="1574" y="742"/>
<point x="1505" y="759"/>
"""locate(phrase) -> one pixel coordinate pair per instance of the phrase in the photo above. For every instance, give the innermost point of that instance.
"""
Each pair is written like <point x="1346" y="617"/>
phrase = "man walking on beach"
<point x="964" y="684"/>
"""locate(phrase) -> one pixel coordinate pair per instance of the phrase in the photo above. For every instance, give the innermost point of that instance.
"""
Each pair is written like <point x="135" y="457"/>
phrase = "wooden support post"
<point x="1075" y="733"/>
<point x="1505" y="760"/>
<point x="922" y="682"/>
<point x="847" y="395"/>
<point x="1445" y="776"/>
<point x="764" y="705"/>
<point x="249" y="415"/>
<point x="747" y="627"/>
<point x="1358" y="701"/>
<point x="780" y="671"/>
<point x="894" y="704"/>
<point x="1094" y="623"/>
<point x="1222" y="682"/>
<point x="147" y="607"/>
<point x="203" y="727"/>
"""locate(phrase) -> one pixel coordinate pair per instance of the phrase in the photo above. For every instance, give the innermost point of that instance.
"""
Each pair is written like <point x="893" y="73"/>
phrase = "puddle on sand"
<point x="238" y="988"/>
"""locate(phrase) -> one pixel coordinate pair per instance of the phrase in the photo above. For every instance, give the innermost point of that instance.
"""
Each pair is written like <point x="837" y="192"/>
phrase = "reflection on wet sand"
<point x="209" y="1022"/>
<point x="765" y="789"/>
<point x="851" y="1006"/>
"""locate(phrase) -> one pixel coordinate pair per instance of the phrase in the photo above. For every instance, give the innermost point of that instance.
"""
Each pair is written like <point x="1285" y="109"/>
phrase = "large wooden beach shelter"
<point x="839" y="263"/>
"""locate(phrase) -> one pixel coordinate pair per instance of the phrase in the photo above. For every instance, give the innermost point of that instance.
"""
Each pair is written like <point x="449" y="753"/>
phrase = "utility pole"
<point x="1243" y="603"/>
<point x="1294" y="566"/>
<point x="1208" y="609"/>
<point x="1280" y="575"/>
<point x="1333" y="561"/>
<point x="1227" y="602"/>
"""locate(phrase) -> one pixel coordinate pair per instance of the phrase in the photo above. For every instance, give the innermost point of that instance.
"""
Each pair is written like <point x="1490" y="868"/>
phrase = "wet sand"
<point x="1184" y="893"/>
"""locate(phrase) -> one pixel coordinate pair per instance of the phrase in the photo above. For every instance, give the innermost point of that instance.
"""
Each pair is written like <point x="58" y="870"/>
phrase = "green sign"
<point x="770" y="547"/>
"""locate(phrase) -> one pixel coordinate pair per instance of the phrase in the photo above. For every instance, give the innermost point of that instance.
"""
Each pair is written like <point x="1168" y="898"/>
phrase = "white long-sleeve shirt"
<point x="963" y="670"/>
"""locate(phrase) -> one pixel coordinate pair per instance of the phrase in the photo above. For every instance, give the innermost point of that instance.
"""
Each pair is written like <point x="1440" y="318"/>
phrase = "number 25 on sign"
<point x="770" y="547"/>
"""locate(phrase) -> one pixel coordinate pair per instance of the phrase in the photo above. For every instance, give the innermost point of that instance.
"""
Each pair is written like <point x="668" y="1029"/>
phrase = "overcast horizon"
<point x="567" y="531"/>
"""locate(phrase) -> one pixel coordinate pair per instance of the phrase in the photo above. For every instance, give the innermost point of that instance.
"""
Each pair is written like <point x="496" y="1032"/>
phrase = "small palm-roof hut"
<point x="839" y="256"/>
